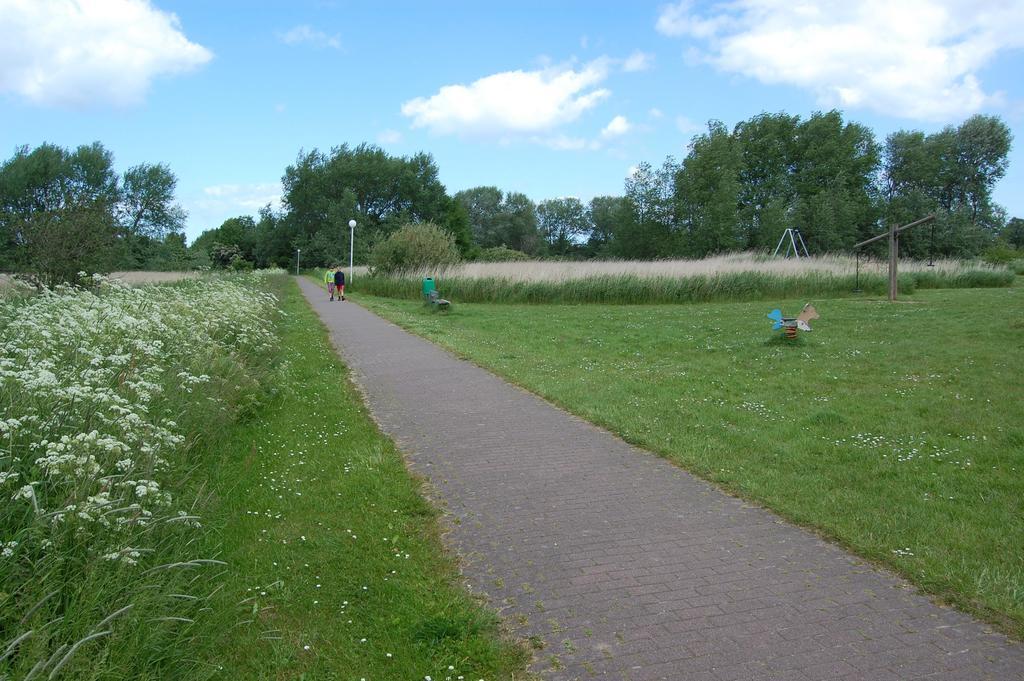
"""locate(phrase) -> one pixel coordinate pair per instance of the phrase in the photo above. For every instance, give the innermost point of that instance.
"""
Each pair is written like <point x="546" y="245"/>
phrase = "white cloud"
<point x="54" y="52"/>
<point x="212" y="205"/>
<point x="632" y="170"/>
<point x="389" y="137"/>
<point x="511" y="102"/>
<point x="915" y="58"/>
<point x="679" y="20"/>
<point x="638" y="61"/>
<point x="656" y="113"/>
<point x="307" y="35"/>
<point x="566" y="143"/>
<point x="616" y="127"/>
<point x="688" y="127"/>
<point x="243" y="197"/>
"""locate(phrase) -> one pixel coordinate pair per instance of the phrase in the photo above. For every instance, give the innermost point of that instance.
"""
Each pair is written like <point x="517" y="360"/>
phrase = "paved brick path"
<point x="627" y="567"/>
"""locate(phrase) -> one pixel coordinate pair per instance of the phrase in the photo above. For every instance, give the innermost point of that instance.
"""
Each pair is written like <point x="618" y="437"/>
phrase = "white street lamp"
<point x="298" y="258"/>
<point x="351" y="247"/>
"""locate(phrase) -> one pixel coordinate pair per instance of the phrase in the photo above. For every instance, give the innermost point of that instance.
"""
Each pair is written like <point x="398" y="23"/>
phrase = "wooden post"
<point x="894" y="248"/>
<point x="893" y="257"/>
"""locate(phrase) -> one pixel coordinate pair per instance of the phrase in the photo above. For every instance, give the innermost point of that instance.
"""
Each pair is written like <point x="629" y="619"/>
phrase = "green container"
<point x="428" y="286"/>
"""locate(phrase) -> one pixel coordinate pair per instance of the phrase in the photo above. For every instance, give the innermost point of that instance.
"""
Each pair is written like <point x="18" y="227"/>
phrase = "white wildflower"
<point x="26" y="492"/>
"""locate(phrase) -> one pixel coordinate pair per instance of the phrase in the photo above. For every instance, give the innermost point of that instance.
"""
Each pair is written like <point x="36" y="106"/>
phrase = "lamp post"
<point x="298" y="258"/>
<point x="351" y="247"/>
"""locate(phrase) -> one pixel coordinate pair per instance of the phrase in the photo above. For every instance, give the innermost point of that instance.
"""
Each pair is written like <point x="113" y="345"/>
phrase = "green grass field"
<point x="335" y="567"/>
<point x="896" y="429"/>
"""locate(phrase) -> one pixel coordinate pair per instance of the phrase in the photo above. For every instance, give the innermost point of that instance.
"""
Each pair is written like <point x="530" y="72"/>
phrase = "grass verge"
<point x="335" y="566"/>
<point x="896" y="429"/>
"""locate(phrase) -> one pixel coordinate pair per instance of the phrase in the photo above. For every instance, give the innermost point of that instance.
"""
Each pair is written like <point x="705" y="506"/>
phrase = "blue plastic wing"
<point x="775" y="316"/>
<point x="776" y="326"/>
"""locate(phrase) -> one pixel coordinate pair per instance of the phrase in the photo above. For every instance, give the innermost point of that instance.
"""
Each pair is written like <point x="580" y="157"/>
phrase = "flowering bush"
<point x="103" y="392"/>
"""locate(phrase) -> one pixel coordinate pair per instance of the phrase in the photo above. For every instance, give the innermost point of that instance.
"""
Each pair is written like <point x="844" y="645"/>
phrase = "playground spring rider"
<point x="790" y="325"/>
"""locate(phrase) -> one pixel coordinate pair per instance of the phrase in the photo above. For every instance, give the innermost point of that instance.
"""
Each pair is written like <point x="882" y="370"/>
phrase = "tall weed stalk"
<point x="104" y="391"/>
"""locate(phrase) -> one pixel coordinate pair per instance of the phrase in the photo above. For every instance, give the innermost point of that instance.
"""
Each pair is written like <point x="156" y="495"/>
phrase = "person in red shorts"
<point x="339" y="282"/>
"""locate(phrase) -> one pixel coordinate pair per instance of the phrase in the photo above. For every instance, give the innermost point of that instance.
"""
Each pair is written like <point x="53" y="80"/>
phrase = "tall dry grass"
<point x="742" y="276"/>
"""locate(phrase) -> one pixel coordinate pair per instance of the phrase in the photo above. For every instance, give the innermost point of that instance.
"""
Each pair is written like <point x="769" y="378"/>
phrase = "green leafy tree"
<point x="483" y="206"/>
<point x="1013" y="233"/>
<point x="172" y="255"/>
<point x="834" y="175"/>
<point x="56" y="212"/>
<point x="322" y="192"/>
<point x="57" y="245"/>
<point x="607" y="214"/>
<point x="456" y="220"/>
<point x="707" y="191"/>
<point x="517" y="222"/>
<point x="500" y="219"/>
<point x="648" y="228"/>
<point x="910" y="189"/>
<point x="223" y="256"/>
<point x="146" y="205"/>
<point x="768" y="148"/>
<point x="563" y="223"/>
<point x="167" y="254"/>
<point x="980" y="159"/>
<point x="950" y="173"/>
<point x="273" y="240"/>
<point x="237" y="231"/>
<point x="64" y="211"/>
<point x="324" y="249"/>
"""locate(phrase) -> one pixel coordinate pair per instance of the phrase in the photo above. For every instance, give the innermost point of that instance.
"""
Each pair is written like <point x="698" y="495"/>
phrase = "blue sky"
<point x="557" y="98"/>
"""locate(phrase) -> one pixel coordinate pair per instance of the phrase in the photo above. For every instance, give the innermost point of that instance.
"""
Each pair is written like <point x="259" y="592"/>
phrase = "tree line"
<point x="735" y="189"/>
<point x="65" y="211"/>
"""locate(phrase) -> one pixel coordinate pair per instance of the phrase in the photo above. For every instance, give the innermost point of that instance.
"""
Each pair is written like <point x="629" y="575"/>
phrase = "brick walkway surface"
<point x="626" y="566"/>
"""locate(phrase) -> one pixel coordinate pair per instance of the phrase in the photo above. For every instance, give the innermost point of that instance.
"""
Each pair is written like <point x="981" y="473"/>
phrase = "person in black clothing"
<point x="339" y="282"/>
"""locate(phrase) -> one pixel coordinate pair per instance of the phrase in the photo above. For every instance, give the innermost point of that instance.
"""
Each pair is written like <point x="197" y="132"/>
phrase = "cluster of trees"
<point x="735" y="189"/>
<point x="323" y="191"/>
<point x="740" y="190"/>
<point x="64" y="211"/>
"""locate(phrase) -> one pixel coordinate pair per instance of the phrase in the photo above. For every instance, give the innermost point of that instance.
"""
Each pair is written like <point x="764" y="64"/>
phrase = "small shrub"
<point x="502" y="254"/>
<point x="1000" y="254"/>
<point x="241" y="265"/>
<point x="414" y="246"/>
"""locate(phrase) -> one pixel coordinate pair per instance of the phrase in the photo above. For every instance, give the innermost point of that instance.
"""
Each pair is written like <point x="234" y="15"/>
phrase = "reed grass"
<point x="734" y="277"/>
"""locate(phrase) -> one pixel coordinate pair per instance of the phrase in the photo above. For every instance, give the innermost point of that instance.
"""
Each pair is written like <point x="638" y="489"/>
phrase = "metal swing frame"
<point x="795" y="243"/>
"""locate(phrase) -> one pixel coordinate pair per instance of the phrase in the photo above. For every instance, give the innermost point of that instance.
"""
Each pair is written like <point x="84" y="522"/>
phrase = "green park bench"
<point x="432" y="297"/>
